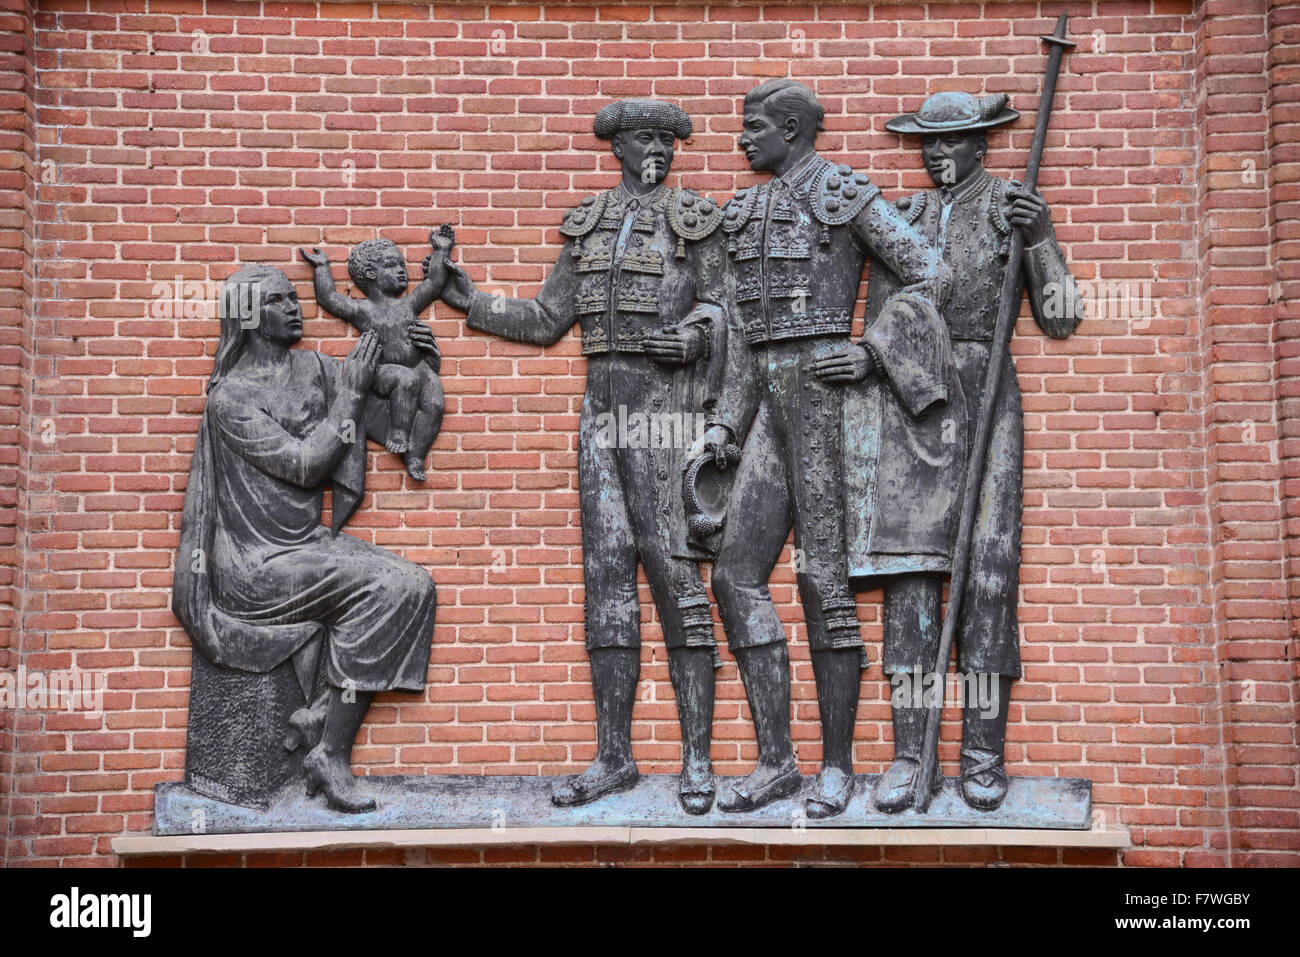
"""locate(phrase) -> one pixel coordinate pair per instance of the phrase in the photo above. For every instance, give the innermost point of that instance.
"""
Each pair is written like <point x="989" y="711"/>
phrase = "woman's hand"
<point x="359" y="366"/>
<point x="435" y="268"/>
<point x="847" y="364"/>
<point x="422" y="338"/>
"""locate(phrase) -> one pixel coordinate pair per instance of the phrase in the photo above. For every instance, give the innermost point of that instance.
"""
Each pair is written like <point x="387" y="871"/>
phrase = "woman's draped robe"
<point x="258" y="578"/>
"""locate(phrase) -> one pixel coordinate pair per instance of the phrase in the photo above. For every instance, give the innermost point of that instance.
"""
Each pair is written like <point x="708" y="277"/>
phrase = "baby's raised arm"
<point x="435" y="269"/>
<point x="350" y="310"/>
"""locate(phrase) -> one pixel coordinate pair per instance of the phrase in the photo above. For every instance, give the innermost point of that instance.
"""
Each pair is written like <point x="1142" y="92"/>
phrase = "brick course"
<point x="147" y="149"/>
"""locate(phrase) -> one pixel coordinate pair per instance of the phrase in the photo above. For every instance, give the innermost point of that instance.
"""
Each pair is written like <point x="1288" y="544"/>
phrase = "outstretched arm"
<point x="540" y="321"/>
<point x="327" y="297"/>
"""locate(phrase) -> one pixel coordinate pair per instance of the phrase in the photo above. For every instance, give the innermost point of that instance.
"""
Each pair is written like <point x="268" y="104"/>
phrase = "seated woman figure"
<point x="259" y="580"/>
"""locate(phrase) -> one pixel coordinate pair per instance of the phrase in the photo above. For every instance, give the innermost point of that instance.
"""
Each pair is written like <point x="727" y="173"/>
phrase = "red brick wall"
<point x="17" y="200"/>
<point x="1284" y="238"/>
<point x="1162" y="531"/>
<point x="1242" y="173"/>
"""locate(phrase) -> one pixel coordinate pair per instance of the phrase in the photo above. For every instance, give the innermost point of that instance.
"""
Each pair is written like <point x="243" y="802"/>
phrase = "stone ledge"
<point x="281" y="841"/>
<point x="496" y="802"/>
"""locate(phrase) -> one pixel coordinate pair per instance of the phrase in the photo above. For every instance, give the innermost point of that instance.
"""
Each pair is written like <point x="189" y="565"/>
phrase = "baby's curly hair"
<point x="366" y="256"/>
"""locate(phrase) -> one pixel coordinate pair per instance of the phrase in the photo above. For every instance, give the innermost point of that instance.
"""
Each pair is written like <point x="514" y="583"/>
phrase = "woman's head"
<point x="256" y="300"/>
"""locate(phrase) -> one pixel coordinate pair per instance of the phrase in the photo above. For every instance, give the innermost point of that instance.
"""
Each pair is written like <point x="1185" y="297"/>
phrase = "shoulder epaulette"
<point x="692" y="216"/>
<point x="996" y="202"/>
<point x="583" y="218"/>
<point x="913" y="206"/>
<point x="739" y="208"/>
<point x="840" y="194"/>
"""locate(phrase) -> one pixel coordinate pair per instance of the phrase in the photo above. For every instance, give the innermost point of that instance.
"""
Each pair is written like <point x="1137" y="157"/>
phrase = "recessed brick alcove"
<point x="148" y="148"/>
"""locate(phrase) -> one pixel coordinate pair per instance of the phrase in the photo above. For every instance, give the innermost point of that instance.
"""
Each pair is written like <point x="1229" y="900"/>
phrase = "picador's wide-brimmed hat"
<point x="955" y="112"/>
<point x="641" y="115"/>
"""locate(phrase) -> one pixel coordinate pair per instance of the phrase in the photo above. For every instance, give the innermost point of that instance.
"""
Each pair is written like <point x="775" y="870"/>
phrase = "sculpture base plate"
<point x="506" y="801"/>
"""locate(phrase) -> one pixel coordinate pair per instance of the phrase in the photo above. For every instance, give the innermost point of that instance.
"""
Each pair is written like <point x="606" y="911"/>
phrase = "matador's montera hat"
<point x="641" y="115"/>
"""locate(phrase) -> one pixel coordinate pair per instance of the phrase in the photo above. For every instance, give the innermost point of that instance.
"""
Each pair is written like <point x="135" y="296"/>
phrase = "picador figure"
<point x="796" y="246"/>
<point x="642" y="275"/>
<point x="968" y="217"/>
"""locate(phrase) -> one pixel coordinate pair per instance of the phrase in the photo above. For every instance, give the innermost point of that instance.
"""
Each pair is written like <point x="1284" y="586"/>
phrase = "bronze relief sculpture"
<point x="721" y="380"/>
<point x="796" y="247"/>
<point x="407" y="377"/>
<point x="969" y="217"/>
<point x="262" y="586"/>
<point x="641" y="274"/>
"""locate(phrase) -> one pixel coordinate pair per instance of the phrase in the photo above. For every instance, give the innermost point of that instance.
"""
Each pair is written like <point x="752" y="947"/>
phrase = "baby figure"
<point x="406" y="376"/>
